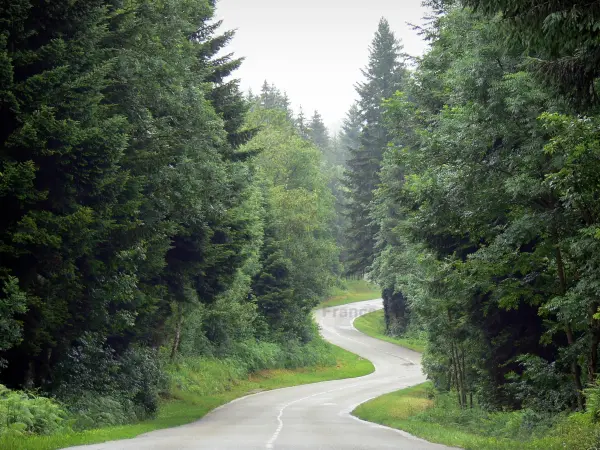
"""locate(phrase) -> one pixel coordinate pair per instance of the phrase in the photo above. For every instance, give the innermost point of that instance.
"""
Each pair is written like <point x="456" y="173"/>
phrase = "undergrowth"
<point x="196" y="385"/>
<point x="438" y="418"/>
<point x="373" y="324"/>
<point x="352" y="291"/>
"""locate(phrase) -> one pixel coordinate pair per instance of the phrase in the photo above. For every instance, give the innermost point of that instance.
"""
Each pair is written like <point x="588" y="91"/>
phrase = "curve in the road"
<point x="311" y="416"/>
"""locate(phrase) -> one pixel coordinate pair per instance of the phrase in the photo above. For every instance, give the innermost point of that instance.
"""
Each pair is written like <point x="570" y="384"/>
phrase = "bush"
<point x="94" y="411"/>
<point x="22" y="413"/>
<point x="102" y="388"/>
<point x="542" y="386"/>
<point x="208" y="375"/>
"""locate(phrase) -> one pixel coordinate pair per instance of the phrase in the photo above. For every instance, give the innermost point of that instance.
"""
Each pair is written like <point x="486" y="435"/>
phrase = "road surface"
<point x="312" y="416"/>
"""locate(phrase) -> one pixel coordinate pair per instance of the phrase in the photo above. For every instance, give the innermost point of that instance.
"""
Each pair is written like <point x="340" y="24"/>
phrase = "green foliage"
<point x="373" y="324"/>
<point x="101" y="389"/>
<point x="299" y="256"/>
<point x="22" y="413"/>
<point x="487" y="213"/>
<point x="438" y="418"/>
<point x="560" y="36"/>
<point x="13" y="302"/>
<point x="384" y="75"/>
<point x="208" y="376"/>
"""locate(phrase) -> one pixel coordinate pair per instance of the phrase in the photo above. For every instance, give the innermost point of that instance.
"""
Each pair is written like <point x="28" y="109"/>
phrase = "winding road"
<point x="312" y="416"/>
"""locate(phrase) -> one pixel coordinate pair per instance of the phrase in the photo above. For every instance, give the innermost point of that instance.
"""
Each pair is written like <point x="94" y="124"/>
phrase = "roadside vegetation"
<point x="164" y="236"/>
<point x="473" y="202"/>
<point x="373" y="324"/>
<point x="352" y="291"/>
<point x="437" y="417"/>
<point x="194" y="387"/>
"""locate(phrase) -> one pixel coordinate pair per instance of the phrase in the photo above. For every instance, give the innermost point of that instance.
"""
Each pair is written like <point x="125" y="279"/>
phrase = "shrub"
<point x="21" y="413"/>
<point x="542" y="386"/>
<point x="102" y="388"/>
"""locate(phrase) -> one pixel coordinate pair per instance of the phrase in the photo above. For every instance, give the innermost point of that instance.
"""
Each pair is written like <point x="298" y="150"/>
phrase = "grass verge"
<point x="355" y="291"/>
<point x="438" y="418"/>
<point x="373" y="324"/>
<point x="413" y="410"/>
<point x="187" y="405"/>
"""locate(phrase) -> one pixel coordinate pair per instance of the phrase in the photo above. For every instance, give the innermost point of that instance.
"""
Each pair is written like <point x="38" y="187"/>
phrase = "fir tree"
<point x="349" y="137"/>
<point x="301" y="124"/>
<point x="383" y="77"/>
<point x="317" y="132"/>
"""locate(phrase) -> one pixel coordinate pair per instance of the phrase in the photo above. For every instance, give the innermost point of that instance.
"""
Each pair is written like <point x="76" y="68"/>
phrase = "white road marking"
<point x="330" y="330"/>
<point x="271" y="442"/>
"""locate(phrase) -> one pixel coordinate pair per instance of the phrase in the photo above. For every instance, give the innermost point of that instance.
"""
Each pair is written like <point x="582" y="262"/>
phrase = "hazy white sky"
<point x="314" y="49"/>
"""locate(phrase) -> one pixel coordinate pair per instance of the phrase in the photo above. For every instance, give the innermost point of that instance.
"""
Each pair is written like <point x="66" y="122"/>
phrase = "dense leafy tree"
<point x="299" y="257"/>
<point x="560" y="36"/>
<point x="478" y="230"/>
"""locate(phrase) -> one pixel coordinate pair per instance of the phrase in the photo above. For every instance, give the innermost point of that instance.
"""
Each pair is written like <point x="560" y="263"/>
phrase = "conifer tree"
<point x="349" y="137"/>
<point x="301" y="125"/>
<point x="383" y="77"/>
<point x="318" y="133"/>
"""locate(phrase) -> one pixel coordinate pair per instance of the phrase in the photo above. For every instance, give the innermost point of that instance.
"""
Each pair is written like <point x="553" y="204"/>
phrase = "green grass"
<point x="355" y="291"/>
<point x="189" y="404"/>
<point x="412" y="410"/>
<point x="373" y="324"/>
<point x="438" y="418"/>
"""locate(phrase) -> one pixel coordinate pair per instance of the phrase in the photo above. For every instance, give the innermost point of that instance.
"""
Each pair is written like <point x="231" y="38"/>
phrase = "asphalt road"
<point x="313" y="416"/>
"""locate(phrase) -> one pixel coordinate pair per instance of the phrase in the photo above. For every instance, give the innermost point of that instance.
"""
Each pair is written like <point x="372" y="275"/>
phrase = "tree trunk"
<point x="593" y="359"/>
<point x="460" y="380"/>
<point x="456" y="376"/>
<point x="594" y="343"/>
<point x="28" y="382"/>
<point x="177" y="332"/>
<point x="464" y="378"/>
<point x="575" y="369"/>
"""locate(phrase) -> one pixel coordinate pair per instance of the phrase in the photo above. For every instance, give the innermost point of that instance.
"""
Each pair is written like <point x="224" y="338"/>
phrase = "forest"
<point x="151" y="210"/>
<point x="154" y="214"/>
<point x="474" y="201"/>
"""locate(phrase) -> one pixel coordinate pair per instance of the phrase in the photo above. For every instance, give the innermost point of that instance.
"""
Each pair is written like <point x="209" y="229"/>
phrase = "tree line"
<point x="473" y="198"/>
<point x="150" y="209"/>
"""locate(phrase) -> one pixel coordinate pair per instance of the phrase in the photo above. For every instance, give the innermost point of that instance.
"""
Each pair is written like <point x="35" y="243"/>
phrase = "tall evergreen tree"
<point x="301" y="125"/>
<point x="562" y="37"/>
<point x="119" y="171"/>
<point x="349" y="137"/>
<point x="317" y="132"/>
<point x="383" y="77"/>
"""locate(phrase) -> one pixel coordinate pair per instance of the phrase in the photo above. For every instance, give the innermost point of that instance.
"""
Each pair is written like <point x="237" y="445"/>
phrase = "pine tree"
<point x="301" y="126"/>
<point x="565" y="46"/>
<point x="317" y="132"/>
<point x="384" y="75"/>
<point x="349" y="138"/>
<point x="273" y="98"/>
<point x="61" y="179"/>
<point x="119" y="172"/>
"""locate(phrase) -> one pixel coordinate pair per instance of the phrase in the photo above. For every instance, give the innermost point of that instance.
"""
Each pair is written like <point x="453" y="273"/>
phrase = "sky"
<point x="314" y="49"/>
